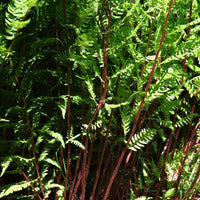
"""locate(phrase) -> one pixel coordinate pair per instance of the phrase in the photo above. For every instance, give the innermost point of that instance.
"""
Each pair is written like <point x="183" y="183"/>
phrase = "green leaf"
<point x="3" y="120"/>
<point x="143" y="137"/>
<point x="63" y="106"/>
<point x="53" y="162"/>
<point x="56" y="164"/>
<point x="57" y="136"/>
<point x="5" y="164"/>
<point x="141" y="198"/>
<point x="169" y="193"/>
<point x="16" y="187"/>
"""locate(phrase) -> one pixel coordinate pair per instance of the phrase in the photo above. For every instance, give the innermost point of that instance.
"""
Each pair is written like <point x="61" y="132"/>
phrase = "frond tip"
<point x="16" y="16"/>
<point x="143" y="137"/>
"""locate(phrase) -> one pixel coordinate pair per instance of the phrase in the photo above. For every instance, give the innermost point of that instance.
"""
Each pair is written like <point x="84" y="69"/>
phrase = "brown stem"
<point x="103" y="173"/>
<point x="163" y="167"/>
<point x="122" y="173"/>
<point x="140" y="108"/>
<point x="190" y="123"/>
<point x="77" y="185"/>
<point x="194" y="182"/>
<point x="188" y="147"/>
<point x="104" y="76"/>
<point x="188" y="32"/>
<point x="83" y="169"/>
<point x="75" y="175"/>
<point x="68" y="101"/>
<point x="29" y="128"/>
<point x="147" y="49"/>
<point x="27" y="179"/>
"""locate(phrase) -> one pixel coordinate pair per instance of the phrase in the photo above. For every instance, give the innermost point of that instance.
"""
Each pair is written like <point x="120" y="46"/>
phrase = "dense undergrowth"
<point x="99" y="99"/>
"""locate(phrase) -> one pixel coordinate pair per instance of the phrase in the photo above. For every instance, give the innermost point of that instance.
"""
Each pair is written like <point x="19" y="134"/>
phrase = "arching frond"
<point x="140" y="139"/>
<point x="16" y="16"/>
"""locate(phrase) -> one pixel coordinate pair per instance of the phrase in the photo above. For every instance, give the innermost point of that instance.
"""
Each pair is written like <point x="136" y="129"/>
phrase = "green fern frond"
<point x="126" y="119"/>
<point x="55" y="135"/>
<point x="3" y="49"/>
<point x="183" y="120"/>
<point x="5" y="164"/>
<point x="192" y="85"/>
<point x="169" y="193"/>
<point x="63" y="105"/>
<point x="91" y="89"/>
<point x="143" y="198"/>
<point x="16" y="16"/>
<point x="16" y="188"/>
<point x="56" y="164"/>
<point x="43" y="155"/>
<point x="76" y="143"/>
<point x="51" y="185"/>
<point x="143" y="137"/>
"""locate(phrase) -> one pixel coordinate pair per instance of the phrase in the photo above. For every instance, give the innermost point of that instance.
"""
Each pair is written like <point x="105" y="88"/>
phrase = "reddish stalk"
<point x="194" y="182"/>
<point x="122" y="173"/>
<point x="77" y="185"/>
<point x="147" y="50"/>
<point x="163" y="167"/>
<point x="190" y="123"/>
<point x="105" y="79"/>
<point x="188" y="147"/>
<point x="29" y="128"/>
<point x="58" y="176"/>
<point x="68" y="101"/>
<point x="83" y="169"/>
<point x="90" y="156"/>
<point x="184" y="62"/>
<point x="104" y="76"/>
<point x="188" y="32"/>
<point x="103" y="173"/>
<point x="75" y="175"/>
<point x="83" y="120"/>
<point x="101" y="159"/>
<point x="27" y="179"/>
<point x="140" y="108"/>
<point x="129" y="182"/>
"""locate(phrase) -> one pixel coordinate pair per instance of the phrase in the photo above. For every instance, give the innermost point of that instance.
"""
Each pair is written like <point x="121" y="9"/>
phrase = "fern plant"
<point x="99" y="99"/>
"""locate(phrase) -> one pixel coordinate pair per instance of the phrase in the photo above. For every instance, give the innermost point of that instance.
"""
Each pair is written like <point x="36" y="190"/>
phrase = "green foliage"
<point x="140" y="139"/>
<point x="16" y="188"/>
<point x="16" y="16"/>
<point x="61" y="124"/>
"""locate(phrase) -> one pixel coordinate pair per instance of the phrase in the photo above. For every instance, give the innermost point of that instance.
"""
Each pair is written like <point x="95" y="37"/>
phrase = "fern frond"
<point x="77" y="143"/>
<point x="126" y="119"/>
<point x="16" y="16"/>
<point x="54" y="163"/>
<point x="5" y="164"/>
<point x="63" y="106"/>
<point x="183" y="120"/>
<point x="91" y="89"/>
<point x="16" y="188"/>
<point x="143" y="137"/>
<point x="3" y="49"/>
<point x="56" y="135"/>
<point x="192" y="85"/>
<point x="142" y="198"/>
<point x="43" y="155"/>
<point x="169" y="193"/>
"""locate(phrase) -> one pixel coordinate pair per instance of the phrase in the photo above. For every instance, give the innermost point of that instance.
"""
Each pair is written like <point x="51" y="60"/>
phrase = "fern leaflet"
<point x="143" y="137"/>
